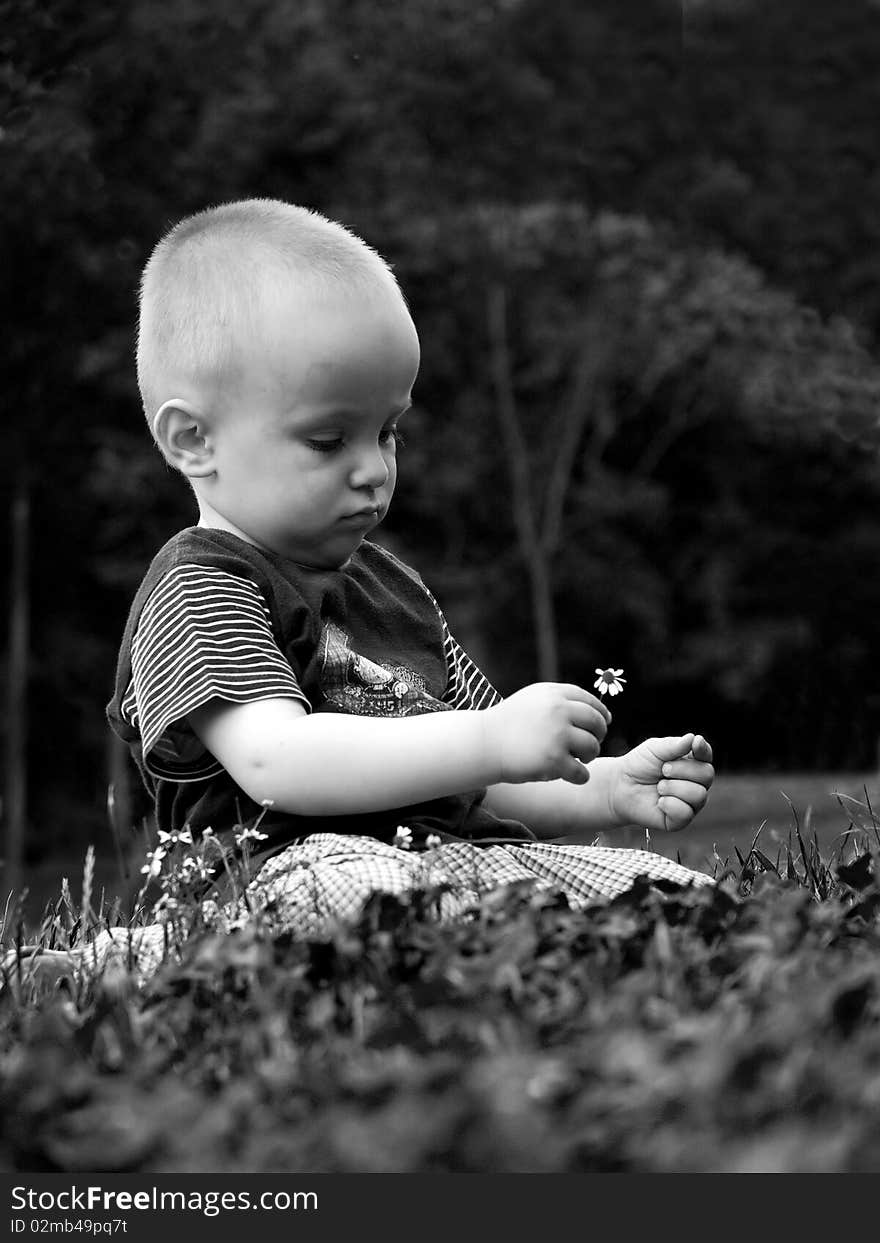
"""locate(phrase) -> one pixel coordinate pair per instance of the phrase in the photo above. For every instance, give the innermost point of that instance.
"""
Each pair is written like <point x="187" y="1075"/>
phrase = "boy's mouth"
<point x="368" y="514"/>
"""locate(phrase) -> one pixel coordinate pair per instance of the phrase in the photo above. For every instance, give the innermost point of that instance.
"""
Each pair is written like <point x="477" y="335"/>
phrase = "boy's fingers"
<point x="585" y="717"/>
<point x="689" y="770"/>
<point x="583" y="744"/>
<point x="578" y="694"/>
<point x="575" y="772"/>
<point x="675" y="747"/>
<point x="688" y="792"/>
<point x="678" y="814"/>
<point x="678" y="746"/>
<point x="700" y="748"/>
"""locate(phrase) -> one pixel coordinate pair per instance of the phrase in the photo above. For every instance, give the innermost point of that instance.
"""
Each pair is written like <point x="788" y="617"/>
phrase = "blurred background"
<point x="640" y="244"/>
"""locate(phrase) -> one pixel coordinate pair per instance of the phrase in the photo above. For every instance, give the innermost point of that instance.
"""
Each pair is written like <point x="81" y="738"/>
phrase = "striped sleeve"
<point x="203" y="634"/>
<point x="467" y="688"/>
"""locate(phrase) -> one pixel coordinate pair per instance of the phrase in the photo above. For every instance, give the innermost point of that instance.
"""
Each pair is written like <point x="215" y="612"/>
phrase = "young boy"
<point x="277" y="658"/>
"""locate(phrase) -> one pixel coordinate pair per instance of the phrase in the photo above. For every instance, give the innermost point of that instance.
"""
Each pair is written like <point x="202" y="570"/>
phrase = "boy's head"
<point x="275" y="358"/>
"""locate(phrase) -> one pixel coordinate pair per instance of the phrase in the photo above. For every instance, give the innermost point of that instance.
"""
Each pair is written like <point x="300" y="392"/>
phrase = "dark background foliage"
<point x="669" y="225"/>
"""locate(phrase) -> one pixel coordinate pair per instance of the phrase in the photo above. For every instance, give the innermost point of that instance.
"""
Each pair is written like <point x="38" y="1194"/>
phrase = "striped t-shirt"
<point x="216" y="617"/>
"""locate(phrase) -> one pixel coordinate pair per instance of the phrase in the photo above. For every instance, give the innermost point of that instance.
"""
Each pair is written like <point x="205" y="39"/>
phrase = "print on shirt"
<point x="352" y="683"/>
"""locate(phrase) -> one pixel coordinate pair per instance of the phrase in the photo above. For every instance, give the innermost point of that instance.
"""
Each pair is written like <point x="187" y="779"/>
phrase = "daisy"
<point x="248" y="835"/>
<point x="609" y="681"/>
<point x="432" y="841"/>
<point x="176" y="836"/>
<point x="402" y="837"/>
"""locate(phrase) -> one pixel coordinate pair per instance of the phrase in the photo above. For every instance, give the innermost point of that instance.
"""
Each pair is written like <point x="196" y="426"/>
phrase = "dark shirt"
<point x="216" y="617"/>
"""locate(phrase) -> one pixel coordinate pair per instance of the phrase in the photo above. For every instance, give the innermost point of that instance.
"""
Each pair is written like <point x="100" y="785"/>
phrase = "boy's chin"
<point x="331" y="557"/>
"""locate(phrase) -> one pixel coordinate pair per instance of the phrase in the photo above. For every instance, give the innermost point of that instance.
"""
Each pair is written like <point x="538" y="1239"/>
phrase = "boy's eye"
<point x="388" y="435"/>
<point x="325" y="446"/>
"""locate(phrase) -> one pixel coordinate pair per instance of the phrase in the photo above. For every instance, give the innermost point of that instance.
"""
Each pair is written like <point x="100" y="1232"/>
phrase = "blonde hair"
<point x="204" y="283"/>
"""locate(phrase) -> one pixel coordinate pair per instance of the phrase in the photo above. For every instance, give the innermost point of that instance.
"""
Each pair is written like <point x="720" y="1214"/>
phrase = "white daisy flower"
<point x="432" y="841"/>
<point x="403" y="837"/>
<point x="175" y="837"/>
<point x="249" y="835"/>
<point x="609" y="681"/>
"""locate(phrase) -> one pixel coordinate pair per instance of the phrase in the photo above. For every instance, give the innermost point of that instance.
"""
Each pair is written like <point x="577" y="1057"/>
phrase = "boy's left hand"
<point x="662" y="783"/>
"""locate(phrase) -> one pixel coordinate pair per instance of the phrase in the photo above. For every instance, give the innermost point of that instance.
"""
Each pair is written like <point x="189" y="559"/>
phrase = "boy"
<point x="276" y="661"/>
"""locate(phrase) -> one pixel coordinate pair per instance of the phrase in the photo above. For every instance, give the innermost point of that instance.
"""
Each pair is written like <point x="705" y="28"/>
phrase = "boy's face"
<point x="304" y="453"/>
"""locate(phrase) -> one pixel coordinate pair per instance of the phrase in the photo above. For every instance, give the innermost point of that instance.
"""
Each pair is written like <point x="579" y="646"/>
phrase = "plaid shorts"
<point x="312" y="886"/>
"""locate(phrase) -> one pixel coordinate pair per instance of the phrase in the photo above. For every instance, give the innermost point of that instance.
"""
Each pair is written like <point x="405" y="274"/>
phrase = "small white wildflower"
<point x="175" y="838"/>
<point x="403" y="837"/>
<point x="191" y="867"/>
<point x="249" y="835"/>
<point x="267" y="802"/>
<point x="432" y="841"/>
<point x="609" y="681"/>
<point x="208" y="832"/>
<point x="153" y="865"/>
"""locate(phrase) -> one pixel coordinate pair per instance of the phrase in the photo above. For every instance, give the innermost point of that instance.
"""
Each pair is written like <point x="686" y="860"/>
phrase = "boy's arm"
<point x="329" y="763"/>
<point x="332" y="763"/>
<point x="556" y="808"/>
<point x="661" y="784"/>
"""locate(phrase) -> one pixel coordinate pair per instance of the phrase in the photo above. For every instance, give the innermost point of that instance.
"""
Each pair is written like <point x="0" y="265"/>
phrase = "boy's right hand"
<point x="546" y="731"/>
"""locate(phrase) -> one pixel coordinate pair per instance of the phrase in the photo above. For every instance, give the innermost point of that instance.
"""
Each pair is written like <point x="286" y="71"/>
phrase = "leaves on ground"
<point x="732" y="1028"/>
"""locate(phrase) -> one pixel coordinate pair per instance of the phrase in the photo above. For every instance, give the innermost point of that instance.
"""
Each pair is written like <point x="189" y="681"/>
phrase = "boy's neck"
<point x="210" y="520"/>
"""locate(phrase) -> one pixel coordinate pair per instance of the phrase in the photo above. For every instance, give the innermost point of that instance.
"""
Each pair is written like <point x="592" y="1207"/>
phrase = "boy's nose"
<point x="371" y="471"/>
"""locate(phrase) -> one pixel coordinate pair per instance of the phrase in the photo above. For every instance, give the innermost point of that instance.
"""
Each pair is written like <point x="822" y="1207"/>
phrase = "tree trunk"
<point x="525" y="517"/>
<point x="16" y="702"/>
<point x="544" y="614"/>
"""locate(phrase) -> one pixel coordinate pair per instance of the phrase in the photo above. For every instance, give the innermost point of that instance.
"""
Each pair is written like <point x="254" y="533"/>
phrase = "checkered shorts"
<point x="311" y="886"/>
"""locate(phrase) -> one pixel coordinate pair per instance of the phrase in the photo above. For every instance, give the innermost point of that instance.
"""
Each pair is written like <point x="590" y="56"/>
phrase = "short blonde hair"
<point x="204" y="282"/>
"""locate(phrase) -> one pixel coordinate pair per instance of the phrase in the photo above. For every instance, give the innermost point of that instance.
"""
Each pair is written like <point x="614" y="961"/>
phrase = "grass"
<point x="741" y="804"/>
<point x="733" y="1028"/>
<point x="738" y="805"/>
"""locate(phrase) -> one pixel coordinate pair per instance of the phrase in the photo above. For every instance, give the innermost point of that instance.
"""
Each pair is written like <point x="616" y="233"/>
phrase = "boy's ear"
<point x="181" y="432"/>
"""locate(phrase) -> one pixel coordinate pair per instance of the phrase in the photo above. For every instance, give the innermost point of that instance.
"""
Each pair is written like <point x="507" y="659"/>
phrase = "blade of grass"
<point x="871" y="814"/>
<point x="803" y="849"/>
<point x="766" y="863"/>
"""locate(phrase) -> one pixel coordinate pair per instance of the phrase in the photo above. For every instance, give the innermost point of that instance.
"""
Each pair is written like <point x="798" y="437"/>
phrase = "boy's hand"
<point x="545" y="731"/>
<point x="662" y="783"/>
